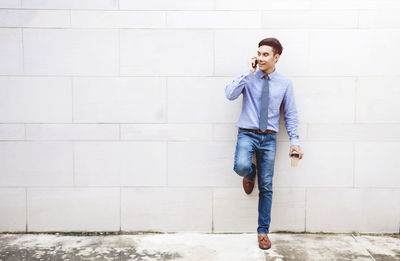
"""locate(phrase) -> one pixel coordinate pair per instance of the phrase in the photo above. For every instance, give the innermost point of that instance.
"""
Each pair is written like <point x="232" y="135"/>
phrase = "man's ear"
<point x="276" y="57"/>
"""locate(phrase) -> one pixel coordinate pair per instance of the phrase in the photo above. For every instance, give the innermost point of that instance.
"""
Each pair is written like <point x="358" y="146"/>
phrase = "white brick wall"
<point x="113" y="114"/>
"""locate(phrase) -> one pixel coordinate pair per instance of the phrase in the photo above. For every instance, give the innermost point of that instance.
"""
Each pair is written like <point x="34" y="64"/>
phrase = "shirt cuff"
<point x="294" y="142"/>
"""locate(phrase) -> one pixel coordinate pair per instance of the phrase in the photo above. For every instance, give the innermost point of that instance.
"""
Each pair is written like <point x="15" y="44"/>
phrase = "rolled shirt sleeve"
<point x="290" y="115"/>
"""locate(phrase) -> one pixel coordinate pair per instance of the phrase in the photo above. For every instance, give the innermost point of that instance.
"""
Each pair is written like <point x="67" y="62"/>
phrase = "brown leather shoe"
<point x="248" y="185"/>
<point x="263" y="241"/>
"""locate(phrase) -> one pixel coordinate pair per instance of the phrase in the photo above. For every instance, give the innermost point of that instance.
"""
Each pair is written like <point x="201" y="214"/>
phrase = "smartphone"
<point x="255" y="64"/>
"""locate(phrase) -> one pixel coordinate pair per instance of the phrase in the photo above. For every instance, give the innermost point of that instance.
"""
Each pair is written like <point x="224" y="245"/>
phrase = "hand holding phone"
<point x="253" y="64"/>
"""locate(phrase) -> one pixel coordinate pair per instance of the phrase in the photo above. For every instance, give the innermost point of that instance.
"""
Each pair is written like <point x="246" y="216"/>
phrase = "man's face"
<point x="266" y="58"/>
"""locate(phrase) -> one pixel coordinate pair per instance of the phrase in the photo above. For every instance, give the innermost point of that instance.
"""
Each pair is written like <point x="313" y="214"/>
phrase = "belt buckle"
<point x="266" y="131"/>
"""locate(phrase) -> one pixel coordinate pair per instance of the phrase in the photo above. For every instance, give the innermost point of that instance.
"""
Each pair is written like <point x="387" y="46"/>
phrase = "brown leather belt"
<point x="259" y="131"/>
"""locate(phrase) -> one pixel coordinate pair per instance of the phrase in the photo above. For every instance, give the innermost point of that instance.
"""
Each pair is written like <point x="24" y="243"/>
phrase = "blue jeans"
<point x="264" y="145"/>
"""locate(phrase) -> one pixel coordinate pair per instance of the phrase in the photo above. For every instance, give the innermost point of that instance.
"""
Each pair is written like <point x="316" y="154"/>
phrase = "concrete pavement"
<point x="196" y="246"/>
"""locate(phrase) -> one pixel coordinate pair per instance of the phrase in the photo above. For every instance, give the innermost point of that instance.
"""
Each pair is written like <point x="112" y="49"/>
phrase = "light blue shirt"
<point x="250" y="84"/>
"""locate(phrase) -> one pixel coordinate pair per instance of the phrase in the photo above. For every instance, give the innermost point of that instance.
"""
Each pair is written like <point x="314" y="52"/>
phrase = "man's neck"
<point x="269" y="71"/>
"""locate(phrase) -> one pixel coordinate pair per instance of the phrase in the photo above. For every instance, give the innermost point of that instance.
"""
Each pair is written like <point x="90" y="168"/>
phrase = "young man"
<point x="264" y="91"/>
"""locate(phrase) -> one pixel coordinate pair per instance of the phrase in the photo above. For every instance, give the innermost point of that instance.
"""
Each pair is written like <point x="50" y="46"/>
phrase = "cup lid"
<point x="294" y="154"/>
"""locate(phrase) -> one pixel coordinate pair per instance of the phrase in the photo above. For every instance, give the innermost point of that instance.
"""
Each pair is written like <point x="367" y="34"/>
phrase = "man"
<point x="264" y="91"/>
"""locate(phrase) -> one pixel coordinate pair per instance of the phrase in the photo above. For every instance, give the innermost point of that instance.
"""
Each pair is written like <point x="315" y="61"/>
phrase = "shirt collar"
<point x="261" y="74"/>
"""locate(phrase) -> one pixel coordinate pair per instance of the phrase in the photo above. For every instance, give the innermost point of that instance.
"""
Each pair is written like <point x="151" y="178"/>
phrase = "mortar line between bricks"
<point x="399" y="215"/>
<point x="177" y="27"/>
<point x="166" y="82"/>
<point x="23" y="51"/>
<point x="206" y="28"/>
<point x="354" y="164"/>
<point x="119" y="52"/>
<point x="183" y="76"/>
<point x="166" y="164"/>
<point x="26" y="209"/>
<point x="210" y="140"/>
<point x="72" y="98"/>
<point x="212" y="210"/>
<point x="205" y="123"/>
<point x="120" y="209"/>
<point x="356" y="99"/>
<point x="188" y="187"/>
<point x="213" y="9"/>
<point x="74" y="185"/>
<point x="213" y="51"/>
<point x="305" y="210"/>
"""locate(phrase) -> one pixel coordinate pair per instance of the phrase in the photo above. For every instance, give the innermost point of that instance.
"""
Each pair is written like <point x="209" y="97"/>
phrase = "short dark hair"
<point x="274" y="43"/>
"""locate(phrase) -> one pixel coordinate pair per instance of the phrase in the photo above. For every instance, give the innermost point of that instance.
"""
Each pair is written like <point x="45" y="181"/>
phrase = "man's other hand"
<point x="297" y="149"/>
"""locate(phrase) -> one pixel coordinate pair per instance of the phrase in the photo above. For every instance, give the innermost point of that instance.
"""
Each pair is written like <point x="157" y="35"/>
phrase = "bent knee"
<point x="242" y="168"/>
